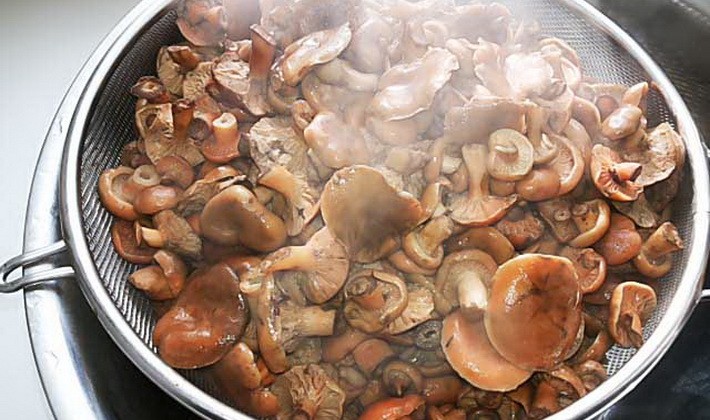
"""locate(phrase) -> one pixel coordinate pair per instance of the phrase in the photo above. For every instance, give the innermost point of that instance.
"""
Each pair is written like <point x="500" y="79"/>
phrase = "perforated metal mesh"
<point x="112" y="125"/>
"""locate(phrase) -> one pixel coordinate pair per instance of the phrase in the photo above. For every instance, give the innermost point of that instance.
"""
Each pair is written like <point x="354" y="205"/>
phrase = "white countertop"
<point x="44" y="44"/>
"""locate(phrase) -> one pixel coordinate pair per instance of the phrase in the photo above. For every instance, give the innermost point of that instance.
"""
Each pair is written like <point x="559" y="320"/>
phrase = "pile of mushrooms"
<point x="391" y="209"/>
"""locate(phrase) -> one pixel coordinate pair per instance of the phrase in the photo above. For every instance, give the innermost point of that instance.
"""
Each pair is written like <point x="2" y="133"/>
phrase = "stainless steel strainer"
<point x="103" y="122"/>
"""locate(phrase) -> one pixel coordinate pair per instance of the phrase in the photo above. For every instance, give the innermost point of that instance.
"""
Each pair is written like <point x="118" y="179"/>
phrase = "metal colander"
<point x="104" y="121"/>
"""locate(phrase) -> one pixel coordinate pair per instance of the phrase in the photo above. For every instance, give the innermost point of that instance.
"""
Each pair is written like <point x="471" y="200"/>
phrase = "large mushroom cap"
<point x="368" y="227"/>
<point x="534" y="311"/>
<point x="472" y="356"/>
<point x="336" y="143"/>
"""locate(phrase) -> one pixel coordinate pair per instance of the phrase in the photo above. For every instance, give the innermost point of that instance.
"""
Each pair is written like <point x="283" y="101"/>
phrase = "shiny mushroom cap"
<point x="115" y="195"/>
<point x="424" y="245"/>
<point x="307" y="391"/>
<point x="613" y="177"/>
<point x="487" y="239"/>
<point x="534" y="311"/>
<point x="590" y="266"/>
<point x="463" y="281"/>
<point x="419" y="309"/>
<point x="621" y="243"/>
<point x="301" y="207"/>
<point x="202" y="22"/>
<point x="368" y="228"/>
<point x="631" y="305"/>
<point x="510" y="155"/>
<point x="313" y="49"/>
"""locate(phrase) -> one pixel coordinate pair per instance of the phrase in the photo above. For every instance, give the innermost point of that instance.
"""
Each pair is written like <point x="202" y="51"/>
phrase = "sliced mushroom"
<point x="463" y="281"/>
<point x="419" y="309"/>
<point x="478" y="208"/>
<point x="480" y="117"/>
<point x="613" y="177"/>
<point x="621" y="243"/>
<point x="510" y="155"/>
<point x="308" y="392"/>
<point x="155" y="125"/>
<point x="172" y="233"/>
<point x="208" y="317"/>
<point x="655" y="259"/>
<point x="373" y="299"/>
<point x="235" y="216"/>
<point x="590" y="266"/>
<point x="336" y="143"/>
<point x="424" y="245"/>
<point x="300" y="201"/>
<point x="659" y="153"/>
<point x="470" y="353"/>
<point x="532" y="320"/>
<point x="162" y="281"/>
<point x="488" y="239"/>
<point x="125" y="242"/>
<point x="521" y="228"/>
<point x="313" y="49"/>
<point x="631" y="305"/>
<point x="367" y="228"/>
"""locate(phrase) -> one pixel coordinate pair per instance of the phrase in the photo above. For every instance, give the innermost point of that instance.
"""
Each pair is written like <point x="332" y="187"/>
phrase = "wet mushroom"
<point x="373" y="299"/>
<point x="195" y="198"/>
<point x="208" y="317"/>
<point x="162" y="281"/>
<point x="337" y="347"/>
<point x="175" y="170"/>
<point x="235" y="217"/>
<point x="393" y="408"/>
<point x="316" y="48"/>
<point x="424" y="245"/>
<point x="463" y="281"/>
<point x="223" y="145"/>
<point x="521" y="228"/>
<point x="539" y="185"/>
<point x="234" y="85"/>
<point x="659" y="153"/>
<point x="301" y="207"/>
<point x="510" y="155"/>
<point x="156" y="126"/>
<point x="655" y="259"/>
<point x="442" y="389"/>
<point x="123" y="237"/>
<point x="477" y="207"/>
<point x="202" y="22"/>
<point x="470" y="353"/>
<point x="336" y="143"/>
<point x="308" y="392"/>
<point x="480" y="117"/>
<point x="590" y="266"/>
<point x="592" y="219"/>
<point x="592" y="373"/>
<point x="613" y="177"/>
<point x="151" y="89"/>
<point x="420" y="308"/>
<point x="631" y="305"/>
<point x="372" y="353"/>
<point x="114" y="195"/>
<point x="488" y="239"/>
<point x="173" y="233"/>
<point x="622" y="122"/>
<point x="568" y="163"/>
<point x="621" y="243"/>
<point x="532" y="320"/>
<point x="400" y="378"/>
<point x="239" y="368"/>
<point x="157" y="198"/>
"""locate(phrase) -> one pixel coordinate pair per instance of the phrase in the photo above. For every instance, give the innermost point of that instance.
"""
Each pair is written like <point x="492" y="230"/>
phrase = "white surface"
<point x="43" y="45"/>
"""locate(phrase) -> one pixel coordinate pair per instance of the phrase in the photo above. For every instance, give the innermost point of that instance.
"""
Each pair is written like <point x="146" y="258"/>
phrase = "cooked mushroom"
<point x="196" y="81"/>
<point x="532" y="320"/>
<point x="157" y="198"/>
<point x="558" y="215"/>
<point x="424" y="245"/>
<point x="300" y="202"/>
<point x="172" y="233"/>
<point x="478" y="208"/>
<point x="655" y="259"/>
<point x="613" y="177"/>
<point x="472" y="356"/>
<point x="659" y="153"/>
<point x="367" y="228"/>
<point x="235" y="86"/>
<point x="568" y="163"/>
<point x="371" y="353"/>
<point x="592" y="373"/>
<point x="403" y="263"/>
<point x="206" y="320"/>
<point x="641" y="211"/>
<point x="202" y="22"/>
<point x="114" y="194"/>
<point x="521" y="228"/>
<point x="393" y="408"/>
<point x="151" y="89"/>
<point x="223" y="145"/>
<point x="400" y="378"/>
<point x="442" y="390"/>
<point x="239" y="368"/>
<point x="308" y="392"/>
<point x="621" y="243"/>
<point x="162" y="281"/>
<point x="510" y="155"/>
<point x="175" y="170"/>
<point x="123" y="236"/>
<point x="539" y="185"/>
<point x="155" y="125"/>
<point x="235" y="217"/>
<point x="336" y="143"/>
<point x="463" y="281"/>
<point x="592" y="219"/>
<point x="313" y="49"/>
<point x="488" y="239"/>
<point x="631" y="305"/>
<point x="195" y="198"/>
<point x="419" y="309"/>
<point x="336" y="348"/>
<point x="590" y="266"/>
<point x="622" y="122"/>
<point x="373" y="299"/>
<point x="480" y="117"/>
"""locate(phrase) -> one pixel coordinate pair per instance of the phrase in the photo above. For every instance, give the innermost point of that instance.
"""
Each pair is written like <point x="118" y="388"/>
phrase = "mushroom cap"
<point x="660" y="152"/>
<point x="539" y="185"/>
<point x="510" y="155"/>
<point x="155" y="125"/>
<point x="641" y="211"/>
<point x="367" y="227"/>
<point x="590" y="266"/>
<point x="113" y="194"/>
<point x="273" y="142"/>
<point x="208" y="317"/>
<point x="407" y="89"/>
<point x="235" y="217"/>
<point x="621" y="243"/>
<point x="235" y="86"/>
<point x="631" y="305"/>
<point x="607" y="176"/>
<point x="301" y="207"/>
<point x="195" y="83"/>
<point x="178" y="235"/>
<point x="622" y="122"/>
<point x="373" y="299"/>
<point x="463" y="280"/>
<point x="480" y="117"/>
<point x="488" y="239"/>
<point x="592" y="219"/>
<point x="472" y="356"/>
<point x="521" y="228"/>
<point x="419" y="309"/>
<point x="336" y="143"/>
<point x="534" y="311"/>
<point x="655" y="259"/>
<point x="123" y="235"/>
<point x="558" y="215"/>
<point x="238" y="367"/>
<point x="169" y="72"/>
<point x="202" y="22"/>
<point x="308" y="390"/>
<point x="313" y="49"/>
<point x="568" y="163"/>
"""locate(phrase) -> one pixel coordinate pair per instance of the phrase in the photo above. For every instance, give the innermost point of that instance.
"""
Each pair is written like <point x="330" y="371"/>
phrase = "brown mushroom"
<point x="155" y="199"/>
<point x="478" y="208"/>
<point x="373" y="299"/>
<point x="472" y="356"/>
<point x="592" y="219"/>
<point x="655" y="259"/>
<point x="463" y="281"/>
<point x="424" y="245"/>
<point x="659" y="153"/>
<point x="300" y="201"/>
<point x="151" y="89"/>
<point x="163" y="281"/>
<point x="480" y="117"/>
<point x="175" y="170"/>
<point x="568" y="163"/>
<point x="400" y="378"/>
<point x="622" y="122"/>
<point x="521" y="228"/>
<point x="401" y="262"/>
<point x="173" y="233"/>
<point x="197" y="81"/>
<point x="442" y="390"/>
<point x="488" y="239"/>
<point x="621" y="243"/>
<point x="223" y="145"/>
<point x="532" y="320"/>
<point x="156" y="127"/>
<point x="336" y="143"/>
<point x="308" y="392"/>
<point x="590" y="266"/>
<point x="510" y="156"/>
<point x="371" y="353"/>
<point x="368" y="228"/>
<point x="114" y="195"/>
<point x="393" y="408"/>
<point x="208" y="317"/>
<point x="613" y="177"/>
<point x="195" y="198"/>
<point x="558" y="215"/>
<point x="239" y="368"/>
<point x="233" y="85"/>
<point x="539" y="185"/>
<point x="123" y="236"/>
<point x="419" y="309"/>
<point x="631" y="305"/>
<point x="235" y="217"/>
<point x="336" y="348"/>
<point x="202" y="22"/>
<point x="592" y="373"/>
<point x="641" y="211"/>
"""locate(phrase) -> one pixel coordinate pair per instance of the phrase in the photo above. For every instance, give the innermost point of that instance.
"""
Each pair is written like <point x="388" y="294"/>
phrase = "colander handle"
<point x="31" y="257"/>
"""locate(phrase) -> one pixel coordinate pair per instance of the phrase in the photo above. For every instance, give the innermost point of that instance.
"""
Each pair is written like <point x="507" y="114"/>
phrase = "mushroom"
<point x="613" y="177"/>
<point x="592" y="373"/>
<point x="462" y="281"/>
<point x="401" y="262"/>
<point x="235" y="86"/>
<point x="338" y="347"/>
<point x="197" y="81"/>
<point x="371" y="353"/>
<point x="373" y="299"/>
<point x="401" y="378"/>
<point x="544" y="150"/>
<point x="239" y="368"/>
<point x="263" y="52"/>
<point x="590" y="266"/>
<point x="195" y="198"/>
<point x="157" y="198"/>
<point x="368" y="228"/>
<point x="163" y="281"/>
<point x="641" y="211"/>
<point x="172" y="233"/>
<point x="655" y="258"/>
<point x="622" y="122"/>
<point x="478" y="208"/>
<point x="558" y="215"/>
<point x="223" y="145"/>
<point x="424" y="245"/>
<point x="472" y="356"/>
<point x="510" y="155"/>
<point x="175" y="170"/>
<point x="659" y="153"/>
<point x="114" y="194"/>
<point x="407" y="89"/>
<point x="311" y="50"/>
<point x="336" y="143"/>
<point x="274" y="142"/>
<point x="532" y="320"/>
<point x="631" y="305"/>
<point x="156" y="127"/>
<point x="279" y="324"/>
<point x="592" y="219"/>
<point x="300" y="202"/>
<point x="487" y="239"/>
<point x="341" y="73"/>
<point x="123" y="236"/>
<point x="442" y="390"/>
<point x="202" y="22"/>
<point x="480" y="117"/>
<point x="621" y="243"/>
<point x="568" y="163"/>
<point x="539" y="185"/>
<point x="419" y="309"/>
<point x="170" y="72"/>
<point x="308" y="392"/>
<point x="393" y="408"/>
<point x="151" y="89"/>
<point x="546" y="245"/>
<point x="521" y="228"/>
<point x="235" y="217"/>
<point x="206" y="320"/>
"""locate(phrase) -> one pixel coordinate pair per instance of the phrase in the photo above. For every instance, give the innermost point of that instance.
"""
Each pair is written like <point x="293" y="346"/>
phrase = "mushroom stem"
<point x="434" y="233"/>
<point x="143" y="177"/>
<point x="508" y="151"/>
<point x="475" y="159"/>
<point x="432" y="170"/>
<point x="226" y="129"/>
<point x="626" y="171"/>
<point x="310" y="321"/>
<point x="473" y="295"/>
<point x="664" y="241"/>
<point x="184" y="56"/>
<point x="183" y="112"/>
<point x="365" y="292"/>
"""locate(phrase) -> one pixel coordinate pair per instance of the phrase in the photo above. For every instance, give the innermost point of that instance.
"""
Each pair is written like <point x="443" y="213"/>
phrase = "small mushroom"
<point x="371" y="353"/>
<point x="539" y="185"/>
<point x="531" y="320"/>
<point x="172" y="233"/>
<point x="659" y="153"/>
<point x="592" y="373"/>
<point x="263" y="52"/>
<point x="470" y="353"/>
<point x="487" y="239"/>
<point x="641" y="211"/>
<point x="613" y="177"/>
<point x="338" y="347"/>
<point x="157" y="198"/>
<point x="568" y="163"/>
<point x="175" y="170"/>
<point x="478" y="208"/>
<point x="208" y="317"/>
<point x="156" y="127"/>
<point x="592" y="219"/>
<point x="631" y="305"/>
<point x="401" y="262"/>
<point x="510" y="155"/>
<point x="373" y="299"/>
<point x="202" y="22"/>
<point x="521" y="228"/>
<point x="463" y="281"/>
<point x="235" y="217"/>
<point x="123" y="236"/>
<point x="336" y="143"/>
<point x="590" y="266"/>
<point x="223" y="145"/>
<point x="239" y="368"/>
<point x="424" y="245"/>
<point x="419" y="309"/>
<point x="300" y="202"/>
<point x="655" y="259"/>
<point x="114" y="195"/>
<point x="393" y="408"/>
<point x="313" y="49"/>
<point x="401" y="378"/>
<point x="151" y="89"/>
<point x="162" y="281"/>
<point x="622" y="122"/>
<point x="621" y="243"/>
<point x="368" y="228"/>
<point x="558" y="215"/>
<point x="475" y="121"/>
<point x="196" y="81"/>
<point x="442" y="389"/>
<point x="308" y="392"/>
<point x="195" y="198"/>
<point x="341" y="73"/>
